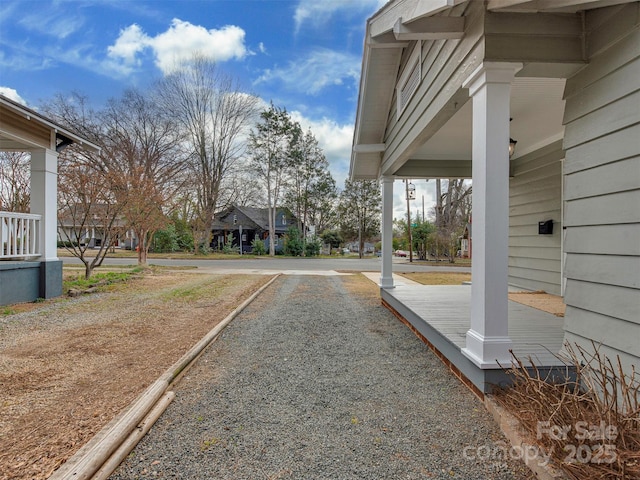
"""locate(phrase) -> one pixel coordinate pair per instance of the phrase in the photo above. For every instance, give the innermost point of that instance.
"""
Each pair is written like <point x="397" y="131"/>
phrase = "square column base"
<point x="50" y="279"/>
<point x="488" y="352"/>
<point x="386" y="282"/>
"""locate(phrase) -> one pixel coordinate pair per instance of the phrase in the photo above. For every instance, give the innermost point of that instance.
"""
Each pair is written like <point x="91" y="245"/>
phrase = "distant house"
<point x="74" y="225"/>
<point x="355" y="247"/>
<point x="29" y="267"/>
<point x="247" y="224"/>
<point x="538" y="102"/>
<point x="466" y="242"/>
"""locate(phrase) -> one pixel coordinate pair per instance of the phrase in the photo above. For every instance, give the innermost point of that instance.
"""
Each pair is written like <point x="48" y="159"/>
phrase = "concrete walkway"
<point x="397" y="279"/>
<point x="316" y="380"/>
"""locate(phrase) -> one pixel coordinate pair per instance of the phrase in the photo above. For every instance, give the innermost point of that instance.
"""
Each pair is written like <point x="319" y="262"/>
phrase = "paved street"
<point x="284" y="264"/>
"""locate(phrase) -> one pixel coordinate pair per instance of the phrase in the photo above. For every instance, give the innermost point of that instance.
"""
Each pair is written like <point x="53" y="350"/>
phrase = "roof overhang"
<point x="387" y="34"/>
<point x="397" y="24"/>
<point x="22" y="128"/>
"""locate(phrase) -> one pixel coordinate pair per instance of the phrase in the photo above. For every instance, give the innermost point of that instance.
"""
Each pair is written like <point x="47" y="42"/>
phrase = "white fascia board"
<point x="361" y="89"/>
<point x="369" y="148"/>
<point x="430" y="28"/>
<point x="408" y="10"/>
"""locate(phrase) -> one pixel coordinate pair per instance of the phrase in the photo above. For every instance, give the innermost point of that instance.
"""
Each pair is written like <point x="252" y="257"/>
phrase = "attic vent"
<point x="410" y="79"/>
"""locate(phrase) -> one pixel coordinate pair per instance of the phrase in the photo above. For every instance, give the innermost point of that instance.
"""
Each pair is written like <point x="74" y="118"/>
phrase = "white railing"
<point x="20" y="236"/>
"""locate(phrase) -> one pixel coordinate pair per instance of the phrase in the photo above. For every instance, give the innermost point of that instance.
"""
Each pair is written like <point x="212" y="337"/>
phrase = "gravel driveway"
<point x="316" y="380"/>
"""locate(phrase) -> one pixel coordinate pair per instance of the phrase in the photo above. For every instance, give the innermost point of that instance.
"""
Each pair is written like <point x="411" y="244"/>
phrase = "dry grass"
<point x="363" y="287"/>
<point x="589" y="426"/>
<point x="438" y="278"/>
<point x="62" y="381"/>
<point x="540" y="300"/>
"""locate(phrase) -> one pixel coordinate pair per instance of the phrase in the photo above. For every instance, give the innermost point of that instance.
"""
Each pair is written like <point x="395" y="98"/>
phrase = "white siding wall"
<point x="602" y="189"/>
<point x="535" y="196"/>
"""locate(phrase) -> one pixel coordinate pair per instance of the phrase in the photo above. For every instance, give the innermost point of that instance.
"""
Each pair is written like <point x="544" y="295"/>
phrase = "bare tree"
<point x="215" y="117"/>
<point x="87" y="207"/>
<point x="273" y="146"/>
<point x="87" y="212"/>
<point x="452" y="212"/>
<point x="143" y="162"/>
<point x="14" y="181"/>
<point x="241" y="188"/>
<point x="140" y="164"/>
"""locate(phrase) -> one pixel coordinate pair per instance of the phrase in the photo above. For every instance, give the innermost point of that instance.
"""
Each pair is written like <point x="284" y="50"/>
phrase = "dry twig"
<point x="588" y="422"/>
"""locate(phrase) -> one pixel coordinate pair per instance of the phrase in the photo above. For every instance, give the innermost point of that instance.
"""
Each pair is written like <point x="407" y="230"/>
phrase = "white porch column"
<point x="386" y="274"/>
<point x="44" y="199"/>
<point x="488" y="338"/>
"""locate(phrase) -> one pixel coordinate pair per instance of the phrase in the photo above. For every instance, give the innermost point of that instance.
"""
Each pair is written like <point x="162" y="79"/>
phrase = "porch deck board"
<point x="447" y="308"/>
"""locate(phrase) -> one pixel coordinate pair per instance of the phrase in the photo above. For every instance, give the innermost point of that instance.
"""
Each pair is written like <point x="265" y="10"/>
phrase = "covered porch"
<point x="29" y="265"/>
<point x="441" y="316"/>
<point x="448" y="89"/>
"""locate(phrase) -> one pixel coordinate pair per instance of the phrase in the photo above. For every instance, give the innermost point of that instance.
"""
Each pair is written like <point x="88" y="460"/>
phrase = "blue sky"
<point x="304" y="55"/>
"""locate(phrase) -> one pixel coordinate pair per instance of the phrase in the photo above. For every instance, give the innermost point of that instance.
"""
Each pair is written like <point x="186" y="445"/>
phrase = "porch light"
<point x="512" y="147"/>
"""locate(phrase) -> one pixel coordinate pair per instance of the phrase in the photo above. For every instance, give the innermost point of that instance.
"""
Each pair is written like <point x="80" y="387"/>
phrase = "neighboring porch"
<point x="29" y="265"/>
<point x="441" y="315"/>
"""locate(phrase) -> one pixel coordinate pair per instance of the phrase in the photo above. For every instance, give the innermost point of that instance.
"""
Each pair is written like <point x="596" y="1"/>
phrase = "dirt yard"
<point x="68" y="367"/>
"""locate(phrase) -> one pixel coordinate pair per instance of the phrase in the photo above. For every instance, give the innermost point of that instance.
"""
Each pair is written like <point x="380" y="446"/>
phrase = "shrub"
<point x="312" y="248"/>
<point x="228" y="244"/>
<point x="258" y="247"/>
<point x="66" y="244"/>
<point x="293" y="243"/>
<point x="165" y="240"/>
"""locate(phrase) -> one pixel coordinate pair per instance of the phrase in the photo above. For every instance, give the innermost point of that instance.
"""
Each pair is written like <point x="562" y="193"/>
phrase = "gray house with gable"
<point x="247" y="224"/>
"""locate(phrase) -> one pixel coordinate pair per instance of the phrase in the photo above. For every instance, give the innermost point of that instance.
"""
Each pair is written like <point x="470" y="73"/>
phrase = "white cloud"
<point x="318" y="12"/>
<point x="52" y="22"/>
<point x="182" y="39"/>
<point x="310" y="75"/>
<point x="12" y="94"/>
<point x="132" y="40"/>
<point x="262" y="48"/>
<point x="178" y="43"/>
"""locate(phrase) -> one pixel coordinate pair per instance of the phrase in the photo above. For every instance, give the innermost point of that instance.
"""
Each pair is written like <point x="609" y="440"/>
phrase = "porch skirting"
<point x="440" y="316"/>
<point x="27" y="281"/>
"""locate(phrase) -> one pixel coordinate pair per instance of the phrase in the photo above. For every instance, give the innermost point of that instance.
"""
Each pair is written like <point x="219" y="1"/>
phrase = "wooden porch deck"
<point x="441" y="315"/>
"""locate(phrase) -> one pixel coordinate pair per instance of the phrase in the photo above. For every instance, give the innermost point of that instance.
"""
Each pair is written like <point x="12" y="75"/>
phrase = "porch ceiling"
<point x="537" y="108"/>
<point x="22" y="128"/>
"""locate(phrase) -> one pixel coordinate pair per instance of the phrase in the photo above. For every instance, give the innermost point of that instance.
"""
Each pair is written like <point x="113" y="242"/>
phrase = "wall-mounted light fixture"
<point x="512" y="143"/>
<point x="512" y="147"/>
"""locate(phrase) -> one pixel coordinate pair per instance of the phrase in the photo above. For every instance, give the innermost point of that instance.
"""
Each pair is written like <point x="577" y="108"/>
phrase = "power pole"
<point x="409" y="220"/>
